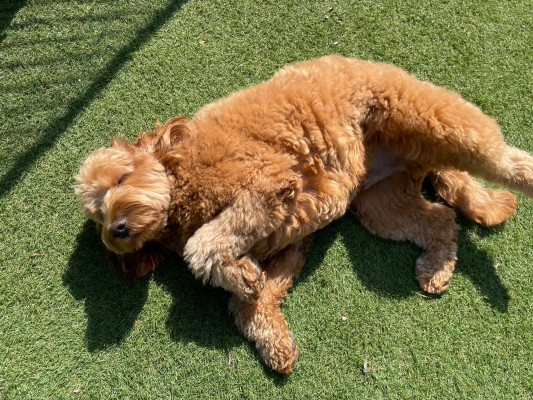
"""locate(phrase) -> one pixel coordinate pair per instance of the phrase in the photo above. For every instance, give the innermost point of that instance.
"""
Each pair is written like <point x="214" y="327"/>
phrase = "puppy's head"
<point x="125" y="190"/>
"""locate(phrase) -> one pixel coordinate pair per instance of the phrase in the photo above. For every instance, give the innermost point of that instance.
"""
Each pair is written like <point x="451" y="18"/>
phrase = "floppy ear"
<point x="171" y="133"/>
<point x="121" y="144"/>
<point x="164" y="137"/>
<point x="130" y="267"/>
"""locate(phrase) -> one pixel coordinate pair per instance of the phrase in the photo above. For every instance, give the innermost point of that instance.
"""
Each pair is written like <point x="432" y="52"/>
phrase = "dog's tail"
<point x="484" y="206"/>
<point x="440" y="130"/>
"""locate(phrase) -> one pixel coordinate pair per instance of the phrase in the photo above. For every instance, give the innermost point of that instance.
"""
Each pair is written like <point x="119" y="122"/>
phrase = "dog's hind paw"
<point x="499" y="208"/>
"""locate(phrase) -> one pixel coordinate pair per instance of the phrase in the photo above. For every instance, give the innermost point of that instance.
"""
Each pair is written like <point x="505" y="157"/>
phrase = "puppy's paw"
<point x="434" y="285"/>
<point x="498" y="209"/>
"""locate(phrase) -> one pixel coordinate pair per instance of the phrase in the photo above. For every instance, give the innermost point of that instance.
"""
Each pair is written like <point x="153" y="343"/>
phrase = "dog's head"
<point x="125" y="190"/>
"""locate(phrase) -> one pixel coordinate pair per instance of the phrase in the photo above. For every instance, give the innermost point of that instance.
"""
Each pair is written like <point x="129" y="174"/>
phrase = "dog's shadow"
<point x="111" y="307"/>
<point x="199" y="313"/>
<point x="388" y="267"/>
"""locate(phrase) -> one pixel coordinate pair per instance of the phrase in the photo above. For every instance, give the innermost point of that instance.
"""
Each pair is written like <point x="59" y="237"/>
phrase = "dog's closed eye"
<point x="121" y="180"/>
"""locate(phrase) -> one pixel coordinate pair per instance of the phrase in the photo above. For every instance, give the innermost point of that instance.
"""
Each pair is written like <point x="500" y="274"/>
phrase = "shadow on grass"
<point x="388" y="267"/>
<point x="8" y="10"/>
<point x="479" y="267"/>
<point x="111" y="307"/>
<point x="56" y="128"/>
<point x="199" y="313"/>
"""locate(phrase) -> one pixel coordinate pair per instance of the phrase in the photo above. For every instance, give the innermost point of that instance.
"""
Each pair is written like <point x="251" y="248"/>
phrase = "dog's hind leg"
<point x="508" y="166"/>
<point x="438" y="129"/>
<point x="484" y="206"/>
<point x="393" y="209"/>
<point x="261" y="320"/>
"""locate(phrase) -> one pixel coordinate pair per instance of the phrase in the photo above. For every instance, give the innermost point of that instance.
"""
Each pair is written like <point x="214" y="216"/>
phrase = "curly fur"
<point x="238" y="189"/>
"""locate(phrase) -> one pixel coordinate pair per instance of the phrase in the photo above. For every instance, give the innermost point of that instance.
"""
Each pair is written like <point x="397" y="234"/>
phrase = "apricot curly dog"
<point x="238" y="189"/>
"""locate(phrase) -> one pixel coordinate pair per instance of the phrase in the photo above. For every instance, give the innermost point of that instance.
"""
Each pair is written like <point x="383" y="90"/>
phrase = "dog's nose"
<point x="119" y="228"/>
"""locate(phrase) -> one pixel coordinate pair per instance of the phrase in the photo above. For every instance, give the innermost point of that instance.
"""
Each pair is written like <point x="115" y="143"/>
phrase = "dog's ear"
<point x="171" y="133"/>
<point x="164" y="137"/>
<point x="121" y="144"/>
<point x="130" y="267"/>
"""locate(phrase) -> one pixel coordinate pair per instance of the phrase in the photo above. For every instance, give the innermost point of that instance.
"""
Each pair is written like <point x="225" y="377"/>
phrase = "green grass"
<point x="74" y="74"/>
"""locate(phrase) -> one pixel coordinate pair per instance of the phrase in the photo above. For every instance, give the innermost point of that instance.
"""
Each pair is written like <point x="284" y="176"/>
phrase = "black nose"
<point x="119" y="228"/>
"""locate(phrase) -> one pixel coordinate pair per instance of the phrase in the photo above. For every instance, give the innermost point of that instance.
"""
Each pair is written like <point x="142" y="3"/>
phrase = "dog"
<point x="238" y="189"/>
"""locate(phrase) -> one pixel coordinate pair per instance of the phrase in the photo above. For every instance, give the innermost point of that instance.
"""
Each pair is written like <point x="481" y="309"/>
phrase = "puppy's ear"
<point x="164" y="137"/>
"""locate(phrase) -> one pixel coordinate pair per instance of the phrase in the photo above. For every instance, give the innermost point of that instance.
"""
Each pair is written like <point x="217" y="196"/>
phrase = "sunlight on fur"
<point x="238" y="190"/>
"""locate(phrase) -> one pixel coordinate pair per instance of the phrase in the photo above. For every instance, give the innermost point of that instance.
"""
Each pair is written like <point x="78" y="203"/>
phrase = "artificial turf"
<point x="75" y="74"/>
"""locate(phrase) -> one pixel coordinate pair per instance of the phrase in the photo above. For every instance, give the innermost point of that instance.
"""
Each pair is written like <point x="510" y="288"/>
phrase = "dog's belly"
<point x="383" y="163"/>
<point x="327" y="197"/>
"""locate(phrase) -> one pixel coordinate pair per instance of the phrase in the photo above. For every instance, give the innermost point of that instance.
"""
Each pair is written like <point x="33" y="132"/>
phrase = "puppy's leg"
<point x="482" y="205"/>
<point x="393" y="209"/>
<point x="261" y="320"/>
<point x="512" y="167"/>
<point x="218" y="250"/>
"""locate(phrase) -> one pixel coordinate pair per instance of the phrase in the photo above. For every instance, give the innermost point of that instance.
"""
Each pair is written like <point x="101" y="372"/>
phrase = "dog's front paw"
<point x="280" y="354"/>
<point x="243" y="277"/>
<point x="434" y="277"/>
<point x="250" y="280"/>
<point x="434" y="285"/>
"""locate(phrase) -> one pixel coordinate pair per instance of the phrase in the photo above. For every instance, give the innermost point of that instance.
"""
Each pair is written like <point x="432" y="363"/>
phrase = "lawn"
<point x="75" y="74"/>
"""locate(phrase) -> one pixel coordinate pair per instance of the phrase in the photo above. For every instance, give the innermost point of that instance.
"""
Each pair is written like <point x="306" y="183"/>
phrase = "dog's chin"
<point x="145" y="226"/>
<point x="122" y="246"/>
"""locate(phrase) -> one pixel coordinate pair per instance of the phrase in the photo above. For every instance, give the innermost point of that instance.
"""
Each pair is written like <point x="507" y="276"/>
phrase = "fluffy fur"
<point x="238" y="189"/>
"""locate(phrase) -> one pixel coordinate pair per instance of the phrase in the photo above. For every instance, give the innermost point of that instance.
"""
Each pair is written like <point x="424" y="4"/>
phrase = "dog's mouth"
<point x="122" y="242"/>
<point x="124" y="236"/>
<point x="117" y="267"/>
